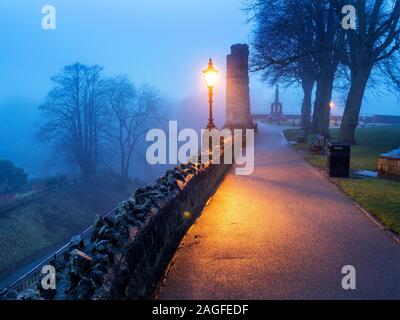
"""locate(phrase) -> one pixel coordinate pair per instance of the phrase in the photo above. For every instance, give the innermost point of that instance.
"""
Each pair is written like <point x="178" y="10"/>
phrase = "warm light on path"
<point x="285" y="232"/>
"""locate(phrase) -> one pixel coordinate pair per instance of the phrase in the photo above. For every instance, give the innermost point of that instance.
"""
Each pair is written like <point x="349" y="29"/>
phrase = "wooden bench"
<point x="319" y="146"/>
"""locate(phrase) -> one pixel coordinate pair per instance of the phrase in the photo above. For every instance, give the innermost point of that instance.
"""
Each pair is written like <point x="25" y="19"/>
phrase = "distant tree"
<point x="373" y="47"/>
<point x="73" y="116"/>
<point x="12" y="178"/>
<point x="132" y="112"/>
<point x="282" y="46"/>
<point x="299" y="40"/>
<point x="329" y="40"/>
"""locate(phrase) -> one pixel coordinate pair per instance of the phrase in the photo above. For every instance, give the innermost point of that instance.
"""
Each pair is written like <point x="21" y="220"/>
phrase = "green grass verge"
<point x="34" y="230"/>
<point x="380" y="197"/>
<point x="31" y="231"/>
<point x="370" y="143"/>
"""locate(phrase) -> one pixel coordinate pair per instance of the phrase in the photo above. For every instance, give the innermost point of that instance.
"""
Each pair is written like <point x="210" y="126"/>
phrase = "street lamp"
<point x="331" y="107"/>
<point x="210" y="76"/>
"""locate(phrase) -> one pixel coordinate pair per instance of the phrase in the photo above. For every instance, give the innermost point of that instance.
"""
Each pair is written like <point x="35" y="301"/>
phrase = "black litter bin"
<point x="339" y="160"/>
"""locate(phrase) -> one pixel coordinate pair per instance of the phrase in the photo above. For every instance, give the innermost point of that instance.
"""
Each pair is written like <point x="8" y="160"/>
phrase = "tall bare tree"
<point x="329" y="39"/>
<point x="297" y="41"/>
<point x="282" y="44"/>
<point x="372" y="46"/>
<point x="73" y="116"/>
<point x="132" y="112"/>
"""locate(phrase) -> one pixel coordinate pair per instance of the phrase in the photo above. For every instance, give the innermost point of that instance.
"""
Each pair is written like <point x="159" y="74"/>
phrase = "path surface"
<point x="285" y="232"/>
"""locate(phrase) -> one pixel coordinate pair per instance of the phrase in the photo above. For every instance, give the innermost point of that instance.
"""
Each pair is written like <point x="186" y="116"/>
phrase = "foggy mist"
<point x="163" y="43"/>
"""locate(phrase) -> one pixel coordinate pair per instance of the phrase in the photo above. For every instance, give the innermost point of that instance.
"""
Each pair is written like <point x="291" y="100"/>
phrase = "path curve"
<point x="285" y="232"/>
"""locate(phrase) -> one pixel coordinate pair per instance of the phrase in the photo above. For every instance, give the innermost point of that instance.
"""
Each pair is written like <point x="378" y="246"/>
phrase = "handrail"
<point x="33" y="275"/>
<point x="37" y="195"/>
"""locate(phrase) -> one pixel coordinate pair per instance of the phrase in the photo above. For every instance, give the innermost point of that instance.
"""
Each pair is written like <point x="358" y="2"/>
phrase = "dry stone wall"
<point x="128" y="253"/>
<point x="389" y="167"/>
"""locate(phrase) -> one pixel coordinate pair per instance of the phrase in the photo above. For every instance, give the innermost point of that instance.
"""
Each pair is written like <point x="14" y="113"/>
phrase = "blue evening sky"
<point x="162" y="42"/>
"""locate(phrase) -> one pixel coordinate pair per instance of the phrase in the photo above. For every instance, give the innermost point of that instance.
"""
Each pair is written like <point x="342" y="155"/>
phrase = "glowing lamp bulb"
<point x="210" y="75"/>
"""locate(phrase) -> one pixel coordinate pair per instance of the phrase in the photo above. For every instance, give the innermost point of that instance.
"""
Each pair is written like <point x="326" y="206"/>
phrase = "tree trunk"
<point x="307" y="85"/>
<point x="326" y="110"/>
<point x="85" y="171"/>
<point x="122" y="164"/>
<point x="352" y="109"/>
<point x="124" y="173"/>
<point x="323" y="98"/>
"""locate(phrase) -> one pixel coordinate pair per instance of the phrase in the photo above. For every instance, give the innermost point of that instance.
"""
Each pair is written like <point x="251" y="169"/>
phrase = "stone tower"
<point x="237" y="89"/>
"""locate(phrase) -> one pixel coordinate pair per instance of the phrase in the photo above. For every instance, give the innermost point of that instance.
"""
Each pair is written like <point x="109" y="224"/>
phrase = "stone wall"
<point x="389" y="167"/>
<point x="128" y="253"/>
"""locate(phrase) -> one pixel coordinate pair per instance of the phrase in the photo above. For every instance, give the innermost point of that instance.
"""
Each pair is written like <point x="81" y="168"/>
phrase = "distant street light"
<point x="210" y="76"/>
<point x="331" y="108"/>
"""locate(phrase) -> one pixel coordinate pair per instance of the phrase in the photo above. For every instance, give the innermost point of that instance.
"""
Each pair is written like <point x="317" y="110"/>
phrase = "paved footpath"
<point x="285" y="232"/>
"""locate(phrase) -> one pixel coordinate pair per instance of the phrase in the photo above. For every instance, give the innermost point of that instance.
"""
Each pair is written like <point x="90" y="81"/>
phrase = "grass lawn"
<point x="31" y="231"/>
<point x="380" y="197"/>
<point x="370" y="143"/>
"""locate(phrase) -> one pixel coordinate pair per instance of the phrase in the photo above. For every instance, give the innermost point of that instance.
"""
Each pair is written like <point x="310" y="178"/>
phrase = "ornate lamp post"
<point x="210" y="76"/>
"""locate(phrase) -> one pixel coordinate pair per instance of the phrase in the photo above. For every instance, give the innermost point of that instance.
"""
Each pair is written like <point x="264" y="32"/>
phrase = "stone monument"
<point x="276" y="107"/>
<point x="238" y="114"/>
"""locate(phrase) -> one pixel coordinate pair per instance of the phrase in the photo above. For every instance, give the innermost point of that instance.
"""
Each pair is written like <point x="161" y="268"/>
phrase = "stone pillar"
<point x="237" y="89"/>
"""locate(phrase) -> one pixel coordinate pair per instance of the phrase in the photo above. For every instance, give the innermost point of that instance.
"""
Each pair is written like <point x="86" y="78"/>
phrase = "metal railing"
<point x="31" y="196"/>
<point x="34" y="275"/>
